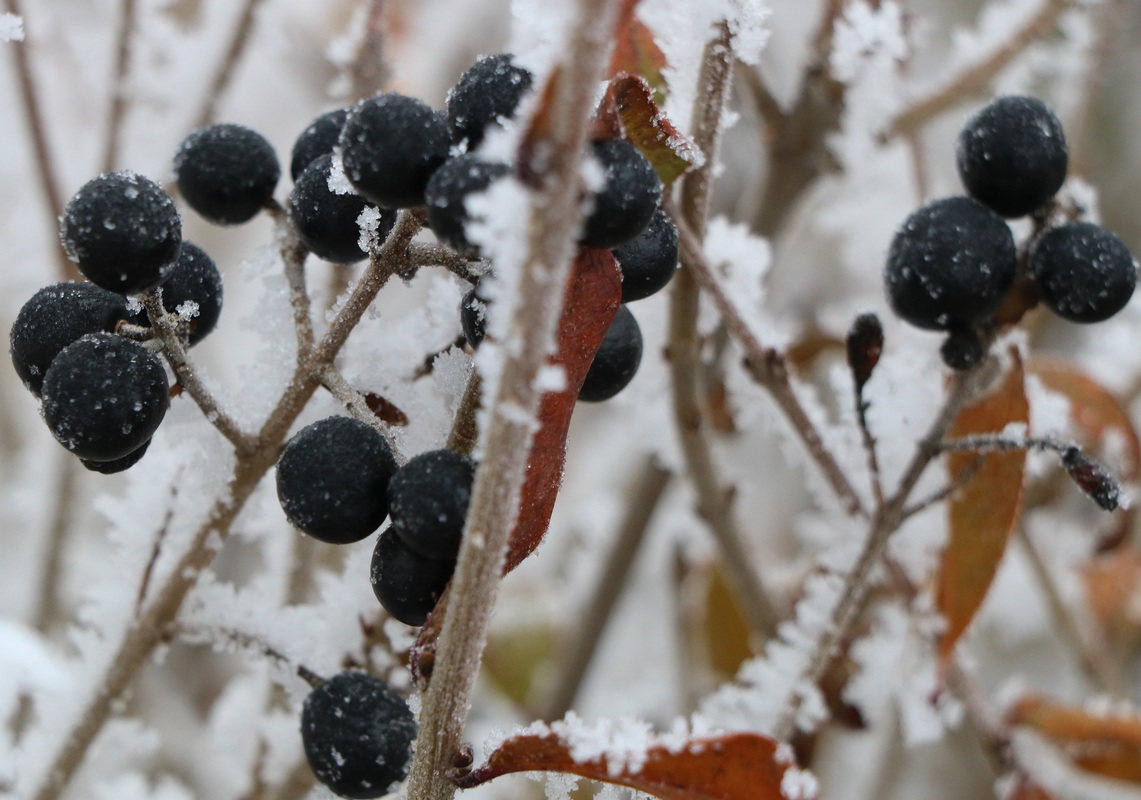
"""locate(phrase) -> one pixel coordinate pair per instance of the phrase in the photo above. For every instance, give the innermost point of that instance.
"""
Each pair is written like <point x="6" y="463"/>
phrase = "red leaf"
<point x="637" y="53"/>
<point x="983" y="513"/>
<point x="648" y="129"/>
<point x="740" y="766"/>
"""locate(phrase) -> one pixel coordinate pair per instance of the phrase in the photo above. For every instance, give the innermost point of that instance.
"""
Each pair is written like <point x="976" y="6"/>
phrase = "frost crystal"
<point x="863" y="32"/>
<point x="369" y="222"/>
<point x="799" y="784"/>
<point x="11" y="28"/>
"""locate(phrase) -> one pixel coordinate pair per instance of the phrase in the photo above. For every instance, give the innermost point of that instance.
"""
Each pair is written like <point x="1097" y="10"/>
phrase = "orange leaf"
<point x="637" y="53"/>
<point x="648" y="129"/>
<point x="983" y="513"/>
<point x="740" y="766"/>
<point x="1104" y="745"/>
<point x="1111" y="582"/>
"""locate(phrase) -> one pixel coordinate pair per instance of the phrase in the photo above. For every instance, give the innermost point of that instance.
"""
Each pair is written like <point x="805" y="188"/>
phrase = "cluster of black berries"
<point x="954" y="261"/>
<point x="80" y="347"/>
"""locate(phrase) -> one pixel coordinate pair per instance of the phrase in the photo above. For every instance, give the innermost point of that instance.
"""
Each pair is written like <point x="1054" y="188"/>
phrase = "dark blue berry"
<point x="357" y="734"/>
<point x="649" y="260"/>
<point x="332" y="480"/>
<point x="195" y="279"/>
<point x="473" y="317"/>
<point x="406" y="583"/>
<point x="616" y="361"/>
<point x="950" y="265"/>
<point x="53" y="318"/>
<point x="487" y="92"/>
<point x="117" y="464"/>
<point x="104" y="396"/>
<point x="1012" y="155"/>
<point x="227" y="173"/>
<point x="1084" y="273"/>
<point x="629" y="196"/>
<point x="962" y="349"/>
<point x="317" y="140"/>
<point x="390" y="146"/>
<point x="428" y="500"/>
<point x="123" y="232"/>
<point x="447" y="193"/>
<point x="327" y="221"/>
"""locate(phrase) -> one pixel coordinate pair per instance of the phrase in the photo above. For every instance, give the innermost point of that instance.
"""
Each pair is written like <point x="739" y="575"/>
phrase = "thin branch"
<point x="578" y="651"/>
<point x="765" y="101"/>
<point x="464" y="435"/>
<point x="976" y="78"/>
<point x="62" y="515"/>
<point x="224" y="74"/>
<point x="436" y="255"/>
<point x="118" y="107"/>
<point x="870" y="447"/>
<point x="1107" y="28"/>
<point x="355" y="402"/>
<point x="156" y="548"/>
<point x="369" y="71"/>
<point x="44" y="163"/>
<point x="961" y="480"/>
<point x="246" y="641"/>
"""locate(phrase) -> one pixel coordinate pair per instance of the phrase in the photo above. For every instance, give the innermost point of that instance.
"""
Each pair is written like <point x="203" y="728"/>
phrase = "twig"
<point x="156" y="548"/>
<point x="118" y="106"/>
<point x="1107" y="24"/>
<point x="468" y="269"/>
<point x="187" y="375"/>
<point x="975" y="78"/>
<point x="62" y="513"/>
<point x="369" y="72"/>
<point x="464" y="435"/>
<point x="355" y="402"/>
<point x="579" y="649"/>
<point x="224" y="74"/>
<point x="961" y="480"/>
<point x="246" y="641"/>
<point x="764" y="100"/>
<point x="37" y="128"/>
<point x="713" y="501"/>
<point x="553" y="225"/>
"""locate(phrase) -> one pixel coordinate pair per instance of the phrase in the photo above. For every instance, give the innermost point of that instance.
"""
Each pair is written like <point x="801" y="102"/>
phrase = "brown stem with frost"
<point x="554" y="221"/>
<point x="354" y="401"/>
<point x="464" y="435"/>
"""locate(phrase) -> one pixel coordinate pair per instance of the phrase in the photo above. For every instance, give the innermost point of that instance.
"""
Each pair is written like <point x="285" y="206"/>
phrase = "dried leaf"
<point x="742" y="766"/>
<point x="385" y="410"/>
<point x="637" y="53"/>
<point x="1105" y="745"/>
<point x="983" y="513"/>
<point x="648" y="129"/>
<point x="1111" y="583"/>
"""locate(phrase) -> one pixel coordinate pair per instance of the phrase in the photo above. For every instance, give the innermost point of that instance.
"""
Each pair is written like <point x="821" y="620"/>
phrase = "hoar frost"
<point x="11" y="28"/>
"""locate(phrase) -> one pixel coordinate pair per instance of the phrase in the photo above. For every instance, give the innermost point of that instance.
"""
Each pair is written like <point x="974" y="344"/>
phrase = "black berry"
<point x="53" y="318"/>
<point x="390" y="146"/>
<point x="447" y="193"/>
<point x="104" y="396"/>
<point x="357" y="734"/>
<point x="118" y="464"/>
<point x="196" y="280"/>
<point x="429" y="497"/>
<point x="1012" y="155"/>
<point x="123" y="232"/>
<point x="1084" y="273"/>
<point x="227" y="173"/>
<point x="629" y="196"/>
<point x="487" y="92"/>
<point x="473" y="317"/>
<point x="951" y="264"/>
<point x="649" y="260"/>
<point x="317" y="140"/>
<point x="616" y="361"/>
<point x="406" y="583"/>
<point x="962" y="349"/>
<point x="332" y="480"/>
<point x="327" y="221"/>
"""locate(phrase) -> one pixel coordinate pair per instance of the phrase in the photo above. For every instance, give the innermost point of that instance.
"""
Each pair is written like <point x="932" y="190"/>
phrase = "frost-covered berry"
<point x="332" y="480"/>
<point x="195" y="280"/>
<point x="428" y="500"/>
<point x="406" y="583"/>
<point x="116" y="465"/>
<point x="317" y="140"/>
<point x="122" y="231"/>
<point x="53" y="318"/>
<point x="357" y="734"/>
<point x="616" y="361"/>
<point x="630" y="194"/>
<point x="649" y="260"/>
<point x="962" y="349"/>
<point x="104" y="396"/>
<point x="447" y="194"/>
<point x="951" y="264"/>
<point x="1012" y="155"/>
<point x="1084" y="273"/>
<point x="390" y="146"/>
<point x="473" y="317"/>
<point x="487" y="92"/>
<point x="327" y="221"/>
<point x="227" y="173"/>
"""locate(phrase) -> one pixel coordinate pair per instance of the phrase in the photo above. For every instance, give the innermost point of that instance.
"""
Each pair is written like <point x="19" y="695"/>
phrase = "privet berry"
<point x="447" y="193"/>
<point x="123" y="232"/>
<point x="317" y="140"/>
<point x="117" y="464"/>
<point x="332" y="480"/>
<point x="227" y="173"/>
<point x="390" y="146"/>
<point x="105" y="396"/>
<point x="1083" y="272"/>
<point x="1012" y="155"/>
<point x="196" y="280"/>
<point x="327" y="221"/>
<point x="428" y="499"/>
<point x="53" y="318"/>
<point x="649" y="260"/>
<point x="473" y="317"/>
<point x="489" y="91"/>
<point x="950" y="265"/>
<point x="357" y="734"/>
<point x="962" y="349"/>
<point x="628" y="198"/>
<point x="406" y="583"/>
<point x="616" y="361"/>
